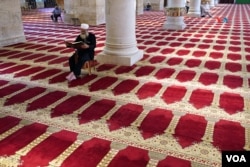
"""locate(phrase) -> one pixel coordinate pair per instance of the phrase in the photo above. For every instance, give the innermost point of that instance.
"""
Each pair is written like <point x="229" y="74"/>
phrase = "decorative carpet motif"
<point x="181" y="105"/>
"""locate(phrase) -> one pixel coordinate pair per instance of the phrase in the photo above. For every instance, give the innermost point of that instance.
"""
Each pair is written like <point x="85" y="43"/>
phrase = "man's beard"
<point x="84" y="36"/>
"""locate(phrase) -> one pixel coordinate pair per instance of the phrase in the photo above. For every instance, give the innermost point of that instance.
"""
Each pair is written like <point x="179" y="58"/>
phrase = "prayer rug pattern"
<point x="183" y="103"/>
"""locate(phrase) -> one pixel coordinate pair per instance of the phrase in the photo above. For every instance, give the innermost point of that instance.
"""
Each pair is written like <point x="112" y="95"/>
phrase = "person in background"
<point x="84" y="52"/>
<point x="204" y="12"/>
<point x="187" y="5"/>
<point x="148" y="7"/>
<point x="56" y="13"/>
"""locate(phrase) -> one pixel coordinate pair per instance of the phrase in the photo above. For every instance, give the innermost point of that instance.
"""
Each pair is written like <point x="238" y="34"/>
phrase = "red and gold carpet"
<point x="180" y="106"/>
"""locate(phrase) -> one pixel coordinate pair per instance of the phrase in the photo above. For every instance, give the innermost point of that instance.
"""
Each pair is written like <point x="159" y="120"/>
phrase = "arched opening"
<point x="165" y="3"/>
<point x="50" y="3"/>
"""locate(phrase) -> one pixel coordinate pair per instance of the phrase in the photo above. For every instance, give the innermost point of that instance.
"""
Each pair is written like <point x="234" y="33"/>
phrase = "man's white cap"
<point x="84" y="26"/>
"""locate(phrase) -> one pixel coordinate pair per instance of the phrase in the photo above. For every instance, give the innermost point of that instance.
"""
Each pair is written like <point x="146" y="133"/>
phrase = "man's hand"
<point x="67" y="44"/>
<point x="85" y="46"/>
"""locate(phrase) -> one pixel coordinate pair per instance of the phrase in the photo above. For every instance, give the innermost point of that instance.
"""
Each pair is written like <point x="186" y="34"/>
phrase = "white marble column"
<point x="11" y="25"/>
<point x="216" y="2"/>
<point x="194" y="8"/>
<point x="211" y="4"/>
<point x="175" y="15"/>
<point x="121" y="45"/>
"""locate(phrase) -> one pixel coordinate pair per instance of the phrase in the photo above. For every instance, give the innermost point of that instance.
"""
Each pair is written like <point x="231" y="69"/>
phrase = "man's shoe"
<point x="71" y="77"/>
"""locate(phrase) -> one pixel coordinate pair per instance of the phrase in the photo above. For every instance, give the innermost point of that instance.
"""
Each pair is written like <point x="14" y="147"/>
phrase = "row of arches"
<point x="52" y="3"/>
<point x="33" y="4"/>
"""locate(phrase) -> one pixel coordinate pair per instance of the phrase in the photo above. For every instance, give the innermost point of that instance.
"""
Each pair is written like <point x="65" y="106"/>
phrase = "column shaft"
<point x="11" y="25"/>
<point x="195" y="10"/>
<point x="121" y="45"/>
<point x="175" y="15"/>
<point x="212" y="4"/>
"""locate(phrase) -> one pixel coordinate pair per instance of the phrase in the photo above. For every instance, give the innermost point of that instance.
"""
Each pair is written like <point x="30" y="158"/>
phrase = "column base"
<point x="174" y="23"/>
<point x="120" y="60"/>
<point x="190" y="14"/>
<point x="71" y="19"/>
<point x="174" y="26"/>
<point x="12" y="41"/>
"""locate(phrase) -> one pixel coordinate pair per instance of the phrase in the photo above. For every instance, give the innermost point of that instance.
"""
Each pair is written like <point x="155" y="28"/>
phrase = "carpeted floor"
<point x="180" y="106"/>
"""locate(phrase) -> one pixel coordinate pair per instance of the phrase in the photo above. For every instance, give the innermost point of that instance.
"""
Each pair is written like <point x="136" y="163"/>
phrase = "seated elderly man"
<point x="84" y="44"/>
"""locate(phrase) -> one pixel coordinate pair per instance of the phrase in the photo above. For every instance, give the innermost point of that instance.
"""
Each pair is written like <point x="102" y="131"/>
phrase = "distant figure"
<point x="225" y="20"/>
<point x="220" y="20"/>
<point x="56" y="13"/>
<point x="187" y="5"/>
<point x="148" y="7"/>
<point x="204" y="12"/>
